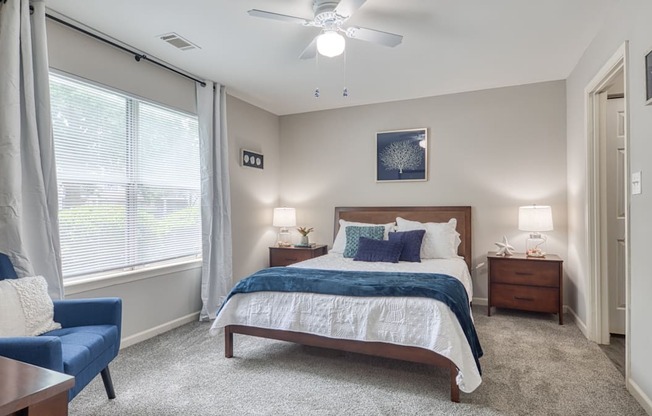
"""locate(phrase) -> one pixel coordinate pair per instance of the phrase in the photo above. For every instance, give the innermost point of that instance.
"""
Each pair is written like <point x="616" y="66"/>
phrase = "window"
<point x="128" y="179"/>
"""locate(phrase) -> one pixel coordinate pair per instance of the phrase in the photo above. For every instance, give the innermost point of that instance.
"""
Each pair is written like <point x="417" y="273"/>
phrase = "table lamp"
<point x="284" y="218"/>
<point x="535" y="218"/>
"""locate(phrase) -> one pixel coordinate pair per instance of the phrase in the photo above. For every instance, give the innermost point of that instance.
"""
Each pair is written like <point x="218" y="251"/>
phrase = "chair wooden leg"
<point x="108" y="384"/>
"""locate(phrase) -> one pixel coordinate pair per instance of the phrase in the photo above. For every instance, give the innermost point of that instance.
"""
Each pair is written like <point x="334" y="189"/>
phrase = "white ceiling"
<point x="449" y="46"/>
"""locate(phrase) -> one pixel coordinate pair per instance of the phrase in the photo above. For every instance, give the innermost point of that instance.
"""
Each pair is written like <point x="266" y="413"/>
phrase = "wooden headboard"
<point x="383" y="215"/>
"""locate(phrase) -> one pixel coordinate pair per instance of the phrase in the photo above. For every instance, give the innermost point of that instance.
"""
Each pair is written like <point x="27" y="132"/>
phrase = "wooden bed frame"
<point x="377" y="215"/>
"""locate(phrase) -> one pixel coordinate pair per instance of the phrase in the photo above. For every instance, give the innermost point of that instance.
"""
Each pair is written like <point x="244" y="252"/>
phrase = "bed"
<point x="413" y="329"/>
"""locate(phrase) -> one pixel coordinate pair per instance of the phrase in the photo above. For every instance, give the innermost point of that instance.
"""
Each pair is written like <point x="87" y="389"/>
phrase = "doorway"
<point x="608" y="208"/>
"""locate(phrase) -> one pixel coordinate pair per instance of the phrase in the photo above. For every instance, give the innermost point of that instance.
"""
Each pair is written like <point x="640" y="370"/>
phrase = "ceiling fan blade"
<point x="277" y="16"/>
<point x="375" y="36"/>
<point x="347" y="7"/>
<point x="310" y="51"/>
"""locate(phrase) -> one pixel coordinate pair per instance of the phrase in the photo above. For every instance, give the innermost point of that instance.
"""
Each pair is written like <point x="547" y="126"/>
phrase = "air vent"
<point x="178" y="42"/>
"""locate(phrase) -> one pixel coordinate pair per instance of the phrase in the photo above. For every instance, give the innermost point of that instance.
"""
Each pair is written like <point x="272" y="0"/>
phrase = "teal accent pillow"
<point x="353" y="234"/>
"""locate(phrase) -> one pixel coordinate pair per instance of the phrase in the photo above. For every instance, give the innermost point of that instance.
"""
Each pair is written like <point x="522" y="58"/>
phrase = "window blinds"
<point x="128" y="179"/>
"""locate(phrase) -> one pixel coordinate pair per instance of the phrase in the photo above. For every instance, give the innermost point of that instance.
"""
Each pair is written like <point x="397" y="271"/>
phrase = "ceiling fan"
<point x="330" y="16"/>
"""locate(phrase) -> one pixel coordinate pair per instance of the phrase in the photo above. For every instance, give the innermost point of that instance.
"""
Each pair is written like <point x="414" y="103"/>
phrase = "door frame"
<point x="598" y="302"/>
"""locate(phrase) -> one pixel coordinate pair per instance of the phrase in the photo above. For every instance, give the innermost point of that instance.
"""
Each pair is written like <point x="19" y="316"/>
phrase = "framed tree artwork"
<point x="402" y="155"/>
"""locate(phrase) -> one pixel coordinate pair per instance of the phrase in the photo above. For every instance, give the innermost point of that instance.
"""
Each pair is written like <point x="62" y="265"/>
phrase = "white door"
<point x="616" y="205"/>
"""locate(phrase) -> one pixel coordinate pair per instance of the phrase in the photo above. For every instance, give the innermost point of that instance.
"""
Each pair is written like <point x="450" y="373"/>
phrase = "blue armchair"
<point x="89" y="338"/>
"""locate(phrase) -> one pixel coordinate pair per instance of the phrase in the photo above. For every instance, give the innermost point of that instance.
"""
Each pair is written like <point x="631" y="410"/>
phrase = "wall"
<point x="629" y="21"/>
<point x="155" y="301"/>
<point x="494" y="150"/>
<point x="254" y="192"/>
<point x="73" y="52"/>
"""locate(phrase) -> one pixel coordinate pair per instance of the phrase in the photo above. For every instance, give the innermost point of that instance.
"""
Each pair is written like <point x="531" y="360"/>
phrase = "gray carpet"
<point x="531" y="366"/>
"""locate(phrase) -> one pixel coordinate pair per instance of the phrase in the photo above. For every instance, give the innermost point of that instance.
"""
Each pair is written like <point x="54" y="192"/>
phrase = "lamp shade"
<point x="284" y="217"/>
<point x="535" y="218"/>
<point x="330" y="43"/>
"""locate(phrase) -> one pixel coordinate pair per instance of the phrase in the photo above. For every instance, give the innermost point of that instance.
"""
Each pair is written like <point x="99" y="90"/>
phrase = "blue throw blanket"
<point x="441" y="287"/>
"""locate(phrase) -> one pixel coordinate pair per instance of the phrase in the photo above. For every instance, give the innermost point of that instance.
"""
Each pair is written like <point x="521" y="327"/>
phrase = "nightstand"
<point x="284" y="256"/>
<point x="526" y="283"/>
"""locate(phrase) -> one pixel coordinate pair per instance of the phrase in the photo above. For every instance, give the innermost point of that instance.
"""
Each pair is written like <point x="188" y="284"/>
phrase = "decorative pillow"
<point x="440" y="241"/>
<point x="25" y="307"/>
<point x="340" y="239"/>
<point x="378" y="250"/>
<point x="411" y="244"/>
<point x="353" y="234"/>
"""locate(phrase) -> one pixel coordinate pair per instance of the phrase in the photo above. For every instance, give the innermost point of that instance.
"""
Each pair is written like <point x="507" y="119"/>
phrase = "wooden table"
<point x="284" y="256"/>
<point x="526" y="283"/>
<point x="29" y="390"/>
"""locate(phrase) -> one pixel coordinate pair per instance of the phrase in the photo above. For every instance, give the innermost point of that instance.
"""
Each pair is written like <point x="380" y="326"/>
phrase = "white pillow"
<point x="440" y="241"/>
<point x="25" y="307"/>
<point x="340" y="239"/>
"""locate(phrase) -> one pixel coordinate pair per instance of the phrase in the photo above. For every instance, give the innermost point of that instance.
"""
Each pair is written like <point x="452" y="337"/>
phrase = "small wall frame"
<point x="252" y="159"/>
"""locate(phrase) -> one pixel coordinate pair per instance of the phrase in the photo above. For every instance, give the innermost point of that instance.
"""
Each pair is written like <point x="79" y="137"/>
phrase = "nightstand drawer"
<point x="528" y="298"/>
<point x="525" y="272"/>
<point x="287" y="257"/>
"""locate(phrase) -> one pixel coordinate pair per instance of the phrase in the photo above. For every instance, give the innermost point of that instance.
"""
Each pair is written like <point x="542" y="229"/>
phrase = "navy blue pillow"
<point x="386" y="251"/>
<point x="411" y="244"/>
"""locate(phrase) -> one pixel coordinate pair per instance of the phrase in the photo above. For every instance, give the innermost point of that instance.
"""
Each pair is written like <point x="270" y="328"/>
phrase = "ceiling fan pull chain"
<point x="345" y="92"/>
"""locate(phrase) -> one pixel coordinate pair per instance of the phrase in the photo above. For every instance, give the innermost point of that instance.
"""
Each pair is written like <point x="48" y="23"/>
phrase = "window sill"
<point x="88" y="283"/>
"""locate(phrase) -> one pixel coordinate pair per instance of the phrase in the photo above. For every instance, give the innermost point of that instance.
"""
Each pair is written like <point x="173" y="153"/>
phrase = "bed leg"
<point x="228" y="342"/>
<point x="455" y="389"/>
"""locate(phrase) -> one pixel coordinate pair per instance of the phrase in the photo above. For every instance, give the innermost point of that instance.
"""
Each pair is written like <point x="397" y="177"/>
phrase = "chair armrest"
<point x="82" y="312"/>
<point x="42" y="351"/>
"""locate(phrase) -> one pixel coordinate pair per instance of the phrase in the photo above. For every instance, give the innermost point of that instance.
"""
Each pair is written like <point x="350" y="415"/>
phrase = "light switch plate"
<point x="637" y="185"/>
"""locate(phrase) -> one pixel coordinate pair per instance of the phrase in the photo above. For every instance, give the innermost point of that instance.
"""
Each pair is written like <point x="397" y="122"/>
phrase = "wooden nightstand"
<point x="284" y="256"/>
<point x="526" y="283"/>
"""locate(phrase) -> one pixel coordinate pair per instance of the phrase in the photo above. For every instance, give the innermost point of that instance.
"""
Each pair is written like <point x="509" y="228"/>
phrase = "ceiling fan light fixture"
<point x="330" y="43"/>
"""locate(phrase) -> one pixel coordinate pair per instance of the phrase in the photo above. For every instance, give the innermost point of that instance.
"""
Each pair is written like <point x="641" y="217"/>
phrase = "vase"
<point x="304" y="240"/>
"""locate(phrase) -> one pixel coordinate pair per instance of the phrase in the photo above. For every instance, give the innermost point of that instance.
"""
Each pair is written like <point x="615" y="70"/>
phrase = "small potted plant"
<point x="304" y="231"/>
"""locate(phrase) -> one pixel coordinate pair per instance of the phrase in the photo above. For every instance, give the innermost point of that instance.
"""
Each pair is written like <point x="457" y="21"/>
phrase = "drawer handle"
<point x="291" y="258"/>
<point x="522" y="298"/>
<point x="524" y="274"/>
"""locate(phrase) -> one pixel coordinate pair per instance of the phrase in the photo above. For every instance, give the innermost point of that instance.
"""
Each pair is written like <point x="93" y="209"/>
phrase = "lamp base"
<point x="283" y="239"/>
<point x="535" y="253"/>
<point x="535" y="245"/>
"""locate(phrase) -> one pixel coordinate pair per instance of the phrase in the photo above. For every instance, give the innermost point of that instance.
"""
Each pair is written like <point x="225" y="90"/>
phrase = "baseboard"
<point x="640" y="396"/>
<point x="480" y="301"/>
<point x="152" y="332"/>
<point x="580" y="324"/>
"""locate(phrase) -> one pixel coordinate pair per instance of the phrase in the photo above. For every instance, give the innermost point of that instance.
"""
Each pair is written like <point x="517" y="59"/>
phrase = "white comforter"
<point x="409" y="321"/>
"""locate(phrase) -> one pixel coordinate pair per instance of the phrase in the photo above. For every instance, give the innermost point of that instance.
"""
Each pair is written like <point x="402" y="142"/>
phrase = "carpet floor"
<point x="531" y="366"/>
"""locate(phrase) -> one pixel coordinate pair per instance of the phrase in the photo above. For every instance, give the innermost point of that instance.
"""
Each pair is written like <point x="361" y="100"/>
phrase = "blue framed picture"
<point x="402" y="155"/>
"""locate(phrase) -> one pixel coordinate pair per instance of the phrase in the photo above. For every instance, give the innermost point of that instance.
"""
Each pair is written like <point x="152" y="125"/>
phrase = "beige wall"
<point x="254" y="192"/>
<point x="628" y="22"/>
<point x="75" y="53"/>
<point x="494" y="150"/>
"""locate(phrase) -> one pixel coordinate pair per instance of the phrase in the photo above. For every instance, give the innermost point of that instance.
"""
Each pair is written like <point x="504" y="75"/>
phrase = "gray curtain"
<point x="217" y="265"/>
<point x="29" y="232"/>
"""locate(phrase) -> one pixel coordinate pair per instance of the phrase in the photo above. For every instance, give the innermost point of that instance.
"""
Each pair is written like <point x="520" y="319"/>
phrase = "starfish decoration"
<point x="504" y="248"/>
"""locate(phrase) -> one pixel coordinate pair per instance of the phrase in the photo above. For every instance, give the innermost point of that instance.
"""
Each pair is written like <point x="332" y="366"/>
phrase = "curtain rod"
<point x="136" y="55"/>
